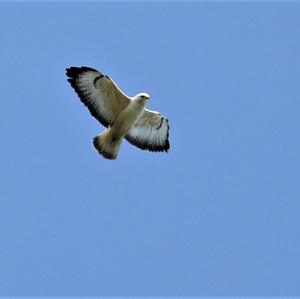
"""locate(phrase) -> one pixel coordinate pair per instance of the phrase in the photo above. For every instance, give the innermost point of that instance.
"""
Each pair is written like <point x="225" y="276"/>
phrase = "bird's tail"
<point x="107" y="144"/>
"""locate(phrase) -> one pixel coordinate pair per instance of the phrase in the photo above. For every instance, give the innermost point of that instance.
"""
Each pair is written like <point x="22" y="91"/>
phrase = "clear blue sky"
<point x="217" y="216"/>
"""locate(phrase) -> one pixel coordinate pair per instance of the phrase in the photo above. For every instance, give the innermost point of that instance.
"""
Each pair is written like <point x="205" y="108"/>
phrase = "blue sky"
<point x="216" y="216"/>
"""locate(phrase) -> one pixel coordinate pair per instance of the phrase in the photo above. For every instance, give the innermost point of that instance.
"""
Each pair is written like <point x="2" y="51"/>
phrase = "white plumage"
<point x="124" y="116"/>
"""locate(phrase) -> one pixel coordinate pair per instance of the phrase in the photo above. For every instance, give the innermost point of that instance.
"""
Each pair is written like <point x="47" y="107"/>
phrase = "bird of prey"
<point x="123" y="116"/>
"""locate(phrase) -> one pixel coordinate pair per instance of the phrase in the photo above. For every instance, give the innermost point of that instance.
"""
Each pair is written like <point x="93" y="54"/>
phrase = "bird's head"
<point x="142" y="97"/>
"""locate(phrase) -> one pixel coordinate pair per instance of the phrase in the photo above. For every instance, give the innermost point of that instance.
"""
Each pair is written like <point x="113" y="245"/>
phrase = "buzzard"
<point x="123" y="116"/>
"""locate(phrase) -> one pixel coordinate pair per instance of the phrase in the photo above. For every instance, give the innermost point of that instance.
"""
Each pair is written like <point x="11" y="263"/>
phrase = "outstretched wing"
<point x="150" y="132"/>
<point x="98" y="93"/>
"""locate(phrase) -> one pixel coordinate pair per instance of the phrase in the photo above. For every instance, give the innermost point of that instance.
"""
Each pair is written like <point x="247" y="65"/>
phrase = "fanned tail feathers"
<point x="106" y="145"/>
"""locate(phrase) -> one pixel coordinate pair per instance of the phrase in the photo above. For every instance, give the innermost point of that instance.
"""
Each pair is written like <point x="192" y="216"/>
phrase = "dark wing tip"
<point x="167" y="143"/>
<point x="166" y="146"/>
<point x="74" y="72"/>
<point x="161" y="147"/>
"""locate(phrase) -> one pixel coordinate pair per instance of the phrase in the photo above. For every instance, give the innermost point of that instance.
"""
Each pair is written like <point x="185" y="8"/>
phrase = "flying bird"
<point x="123" y="116"/>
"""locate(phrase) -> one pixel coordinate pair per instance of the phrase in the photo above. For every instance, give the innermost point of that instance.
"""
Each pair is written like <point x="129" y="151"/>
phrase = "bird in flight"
<point x="123" y="116"/>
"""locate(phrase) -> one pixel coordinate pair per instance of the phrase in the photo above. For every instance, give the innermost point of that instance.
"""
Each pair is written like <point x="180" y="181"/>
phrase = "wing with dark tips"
<point x="98" y="93"/>
<point x="151" y="132"/>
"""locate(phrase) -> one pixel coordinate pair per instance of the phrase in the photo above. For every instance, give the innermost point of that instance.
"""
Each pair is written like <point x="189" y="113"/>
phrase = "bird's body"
<point x="124" y="117"/>
<point x="108" y="143"/>
<point x="129" y="116"/>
